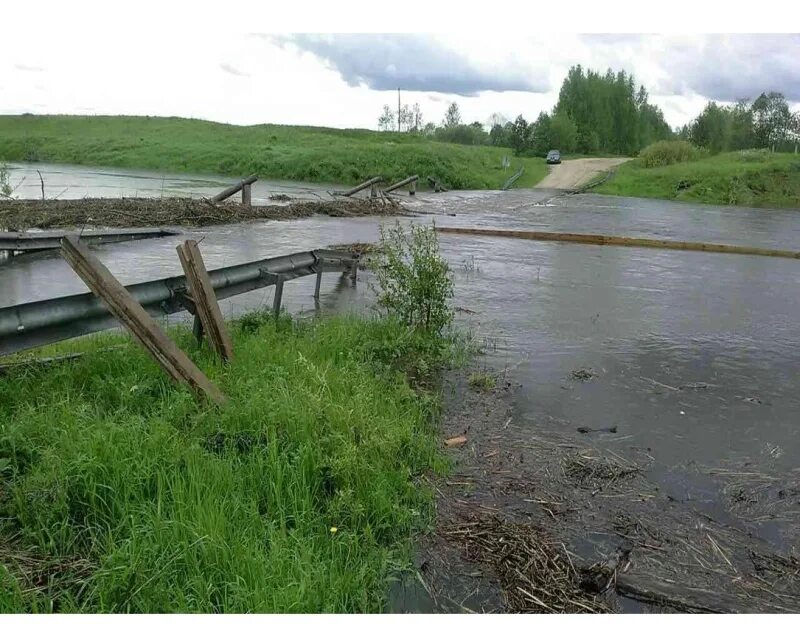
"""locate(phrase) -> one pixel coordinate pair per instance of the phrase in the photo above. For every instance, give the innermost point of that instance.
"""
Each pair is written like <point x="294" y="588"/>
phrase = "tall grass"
<point x="324" y="155"/>
<point x="120" y="493"/>
<point x="745" y="178"/>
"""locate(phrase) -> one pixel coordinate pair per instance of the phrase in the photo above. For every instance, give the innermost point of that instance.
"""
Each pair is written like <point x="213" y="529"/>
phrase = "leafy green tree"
<point x="452" y="116"/>
<point x="519" y="138"/>
<point x="712" y="128"/>
<point x="610" y="113"/>
<point x="563" y="133"/>
<point x="741" y="132"/>
<point x="772" y="119"/>
<point x="497" y="135"/>
<point x="386" y="121"/>
<point x="540" y="135"/>
<point x="416" y="120"/>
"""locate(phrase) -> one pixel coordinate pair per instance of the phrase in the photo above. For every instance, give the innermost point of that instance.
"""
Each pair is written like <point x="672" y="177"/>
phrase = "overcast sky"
<point x="344" y="80"/>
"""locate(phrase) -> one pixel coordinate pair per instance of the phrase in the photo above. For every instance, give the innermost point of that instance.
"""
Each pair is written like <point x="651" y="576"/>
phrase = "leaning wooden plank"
<point x="133" y="316"/>
<point x="206" y="306"/>
<point x="623" y="241"/>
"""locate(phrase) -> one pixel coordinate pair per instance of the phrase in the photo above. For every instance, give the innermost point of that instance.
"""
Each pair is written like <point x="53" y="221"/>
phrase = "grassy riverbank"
<point x="120" y="493"/>
<point x="298" y="153"/>
<point x="750" y="178"/>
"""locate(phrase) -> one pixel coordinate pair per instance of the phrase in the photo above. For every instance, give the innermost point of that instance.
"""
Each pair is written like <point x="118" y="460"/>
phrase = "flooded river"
<point x="695" y="354"/>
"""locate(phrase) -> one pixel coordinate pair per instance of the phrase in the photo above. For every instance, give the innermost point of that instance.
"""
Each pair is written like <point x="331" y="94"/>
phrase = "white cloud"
<point x="242" y="79"/>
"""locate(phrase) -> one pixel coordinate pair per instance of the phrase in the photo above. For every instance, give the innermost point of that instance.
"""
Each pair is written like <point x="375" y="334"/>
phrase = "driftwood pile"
<point x="22" y="214"/>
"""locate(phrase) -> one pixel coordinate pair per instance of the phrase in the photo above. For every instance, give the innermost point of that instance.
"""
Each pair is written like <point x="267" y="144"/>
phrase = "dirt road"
<point x="573" y="173"/>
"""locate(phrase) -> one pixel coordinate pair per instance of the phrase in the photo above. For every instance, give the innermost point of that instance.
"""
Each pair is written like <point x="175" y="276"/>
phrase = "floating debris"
<point x="22" y="214"/>
<point x="455" y="442"/>
<point x="595" y="471"/>
<point x="587" y="429"/>
<point x="583" y="374"/>
<point x="536" y="572"/>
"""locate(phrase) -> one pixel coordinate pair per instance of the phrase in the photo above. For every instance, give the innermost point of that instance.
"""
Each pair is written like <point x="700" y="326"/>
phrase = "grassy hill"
<point x="746" y="178"/>
<point x="278" y="152"/>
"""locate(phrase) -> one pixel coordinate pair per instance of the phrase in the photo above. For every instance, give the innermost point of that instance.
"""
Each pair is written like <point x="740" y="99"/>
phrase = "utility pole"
<point x="398" y="110"/>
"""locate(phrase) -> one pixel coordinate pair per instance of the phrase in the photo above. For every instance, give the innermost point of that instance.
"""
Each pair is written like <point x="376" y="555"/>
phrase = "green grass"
<point x="482" y="381"/>
<point x="299" y="153"/>
<point x="119" y="492"/>
<point x="750" y="178"/>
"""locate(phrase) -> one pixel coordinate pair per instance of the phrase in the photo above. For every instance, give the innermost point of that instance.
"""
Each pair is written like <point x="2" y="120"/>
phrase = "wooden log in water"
<point x="623" y="241"/>
<point x="400" y="184"/>
<point x="234" y="188"/>
<point x="361" y="186"/>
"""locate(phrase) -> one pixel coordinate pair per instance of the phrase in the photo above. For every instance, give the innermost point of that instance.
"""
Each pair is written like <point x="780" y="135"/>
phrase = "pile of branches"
<point x="22" y="214"/>
<point x="536" y="572"/>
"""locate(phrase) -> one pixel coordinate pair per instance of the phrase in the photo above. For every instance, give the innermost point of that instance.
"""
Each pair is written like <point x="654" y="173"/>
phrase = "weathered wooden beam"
<point x="276" y="303"/>
<point x="622" y="241"/>
<point x="412" y="180"/>
<point x="246" y="194"/>
<point x="134" y="317"/>
<point x="207" y="308"/>
<point x="361" y="186"/>
<point x="234" y="188"/>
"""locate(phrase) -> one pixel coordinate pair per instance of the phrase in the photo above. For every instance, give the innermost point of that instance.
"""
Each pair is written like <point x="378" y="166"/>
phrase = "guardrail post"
<point x="135" y="318"/>
<point x="318" y="283"/>
<point x="276" y="305"/>
<point x="197" y="329"/>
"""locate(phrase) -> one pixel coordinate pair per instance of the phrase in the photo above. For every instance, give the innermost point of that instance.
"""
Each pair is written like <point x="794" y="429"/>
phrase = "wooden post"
<point x="276" y="305"/>
<point x="205" y="300"/>
<point x="373" y="191"/>
<point x="319" y="282"/>
<point x="246" y="194"/>
<point x="412" y="188"/>
<point x="134" y="317"/>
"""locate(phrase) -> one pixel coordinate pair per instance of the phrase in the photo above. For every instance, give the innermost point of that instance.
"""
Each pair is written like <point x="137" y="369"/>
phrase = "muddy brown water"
<point x="694" y="355"/>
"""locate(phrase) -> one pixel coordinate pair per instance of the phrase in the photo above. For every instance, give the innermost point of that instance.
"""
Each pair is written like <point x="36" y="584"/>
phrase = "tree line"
<point x="607" y="113"/>
<point x="765" y="122"/>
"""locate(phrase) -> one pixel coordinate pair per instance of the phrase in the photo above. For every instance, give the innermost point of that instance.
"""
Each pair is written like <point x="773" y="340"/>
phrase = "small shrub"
<point x="415" y="281"/>
<point x="5" y="186"/>
<point x="664" y="153"/>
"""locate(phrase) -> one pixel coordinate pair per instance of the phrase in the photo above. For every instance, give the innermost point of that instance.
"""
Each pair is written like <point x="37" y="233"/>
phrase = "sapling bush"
<point x="5" y="185"/>
<point x="415" y="282"/>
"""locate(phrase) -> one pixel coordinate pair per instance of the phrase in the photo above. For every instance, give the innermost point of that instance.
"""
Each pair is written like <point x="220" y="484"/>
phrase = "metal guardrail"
<point x="34" y="241"/>
<point x="46" y="321"/>
<point x="513" y="178"/>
